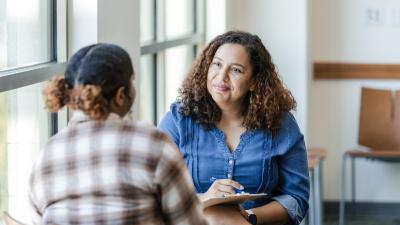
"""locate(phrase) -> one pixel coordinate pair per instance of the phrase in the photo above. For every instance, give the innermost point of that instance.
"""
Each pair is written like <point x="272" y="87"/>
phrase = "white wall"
<point x="117" y="22"/>
<point x="300" y="32"/>
<point x="344" y="31"/>
<point x="282" y="26"/>
<point x="93" y="21"/>
<point x="82" y="24"/>
<point x="215" y="18"/>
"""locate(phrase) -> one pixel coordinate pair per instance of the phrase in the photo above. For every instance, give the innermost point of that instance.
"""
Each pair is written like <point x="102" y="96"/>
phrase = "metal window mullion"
<point x="154" y="74"/>
<point x="161" y="86"/>
<point x="200" y="24"/>
<point x="159" y="66"/>
<point x="162" y="45"/>
<point x="201" y="17"/>
<point x="194" y="47"/>
<point x="53" y="45"/>
<point x="195" y="24"/>
<point x="155" y="22"/>
<point x="53" y="128"/>
<point x="17" y="78"/>
<point x="194" y="16"/>
<point x="155" y="90"/>
<point x="53" y="30"/>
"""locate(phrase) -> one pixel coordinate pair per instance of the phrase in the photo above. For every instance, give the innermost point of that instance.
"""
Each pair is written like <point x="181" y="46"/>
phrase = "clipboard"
<point x="232" y="199"/>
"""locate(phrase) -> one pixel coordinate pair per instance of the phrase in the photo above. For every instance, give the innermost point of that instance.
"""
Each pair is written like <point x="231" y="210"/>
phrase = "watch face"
<point x="253" y="219"/>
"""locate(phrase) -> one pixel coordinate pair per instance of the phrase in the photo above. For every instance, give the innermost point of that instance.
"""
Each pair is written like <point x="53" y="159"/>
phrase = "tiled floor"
<point x="363" y="221"/>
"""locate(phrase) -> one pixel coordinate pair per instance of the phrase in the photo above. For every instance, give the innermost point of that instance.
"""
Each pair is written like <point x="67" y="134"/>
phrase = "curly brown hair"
<point x="263" y="107"/>
<point x="87" y="98"/>
<point x="92" y="78"/>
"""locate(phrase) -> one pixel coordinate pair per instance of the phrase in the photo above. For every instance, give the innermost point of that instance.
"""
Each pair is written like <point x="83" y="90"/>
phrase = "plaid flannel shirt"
<point x="112" y="172"/>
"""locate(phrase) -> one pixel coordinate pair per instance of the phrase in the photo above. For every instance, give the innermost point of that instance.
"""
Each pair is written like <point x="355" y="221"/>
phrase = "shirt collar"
<point x="79" y="117"/>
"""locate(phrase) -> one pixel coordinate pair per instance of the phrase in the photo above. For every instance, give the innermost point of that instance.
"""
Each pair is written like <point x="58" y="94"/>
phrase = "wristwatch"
<point x="251" y="217"/>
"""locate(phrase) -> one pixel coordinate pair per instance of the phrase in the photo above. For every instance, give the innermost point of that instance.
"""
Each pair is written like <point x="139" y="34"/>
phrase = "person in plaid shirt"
<point x="103" y="168"/>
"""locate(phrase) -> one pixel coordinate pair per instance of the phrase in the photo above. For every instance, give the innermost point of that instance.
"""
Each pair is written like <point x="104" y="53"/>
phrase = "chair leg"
<point x="311" y="211"/>
<point x="343" y="191"/>
<point x="321" y="171"/>
<point x="353" y="188"/>
<point x="317" y="191"/>
<point x="321" y="193"/>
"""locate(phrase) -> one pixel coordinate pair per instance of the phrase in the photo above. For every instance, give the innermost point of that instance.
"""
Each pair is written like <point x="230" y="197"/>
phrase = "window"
<point x="175" y="25"/>
<point x="146" y="85"/>
<point x="32" y="49"/>
<point x="171" y="33"/>
<point x="25" y="126"/>
<point x="24" y="33"/>
<point x="175" y="72"/>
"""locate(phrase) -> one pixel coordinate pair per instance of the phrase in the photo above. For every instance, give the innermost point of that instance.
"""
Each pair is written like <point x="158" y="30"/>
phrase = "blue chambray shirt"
<point x="261" y="162"/>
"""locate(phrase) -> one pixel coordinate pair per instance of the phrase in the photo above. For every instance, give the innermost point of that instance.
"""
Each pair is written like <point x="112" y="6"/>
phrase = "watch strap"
<point x="251" y="217"/>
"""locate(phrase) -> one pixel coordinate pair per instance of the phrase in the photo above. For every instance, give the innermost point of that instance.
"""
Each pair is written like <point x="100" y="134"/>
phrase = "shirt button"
<point x="229" y="175"/>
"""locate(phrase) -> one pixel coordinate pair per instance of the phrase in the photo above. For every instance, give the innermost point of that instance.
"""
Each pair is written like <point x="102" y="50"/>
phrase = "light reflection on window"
<point x="24" y="33"/>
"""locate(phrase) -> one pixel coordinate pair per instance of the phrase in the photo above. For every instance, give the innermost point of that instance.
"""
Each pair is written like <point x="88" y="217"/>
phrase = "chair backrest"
<point x="379" y="127"/>
<point x="9" y="220"/>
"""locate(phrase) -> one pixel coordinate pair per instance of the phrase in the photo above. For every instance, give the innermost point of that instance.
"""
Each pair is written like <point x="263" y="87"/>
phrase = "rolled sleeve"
<point x="293" y="185"/>
<point x="293" y="209"/>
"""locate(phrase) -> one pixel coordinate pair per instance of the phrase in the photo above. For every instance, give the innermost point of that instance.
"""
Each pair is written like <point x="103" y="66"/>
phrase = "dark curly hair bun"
<point x="92" y="78"/>
<point x="88" y="98"/>
<point x="56" y="94"/>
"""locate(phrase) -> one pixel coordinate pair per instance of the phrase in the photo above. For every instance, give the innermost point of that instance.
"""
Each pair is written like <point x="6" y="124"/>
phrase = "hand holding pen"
<point x="222" y="187"/>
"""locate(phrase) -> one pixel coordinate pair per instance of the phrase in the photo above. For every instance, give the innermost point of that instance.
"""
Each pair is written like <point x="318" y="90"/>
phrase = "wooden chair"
<point x="378" y="133"/>
<point x="9" y="220"/>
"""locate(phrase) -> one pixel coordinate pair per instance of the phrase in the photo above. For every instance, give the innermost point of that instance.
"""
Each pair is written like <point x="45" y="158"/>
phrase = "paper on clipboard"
<point x="231" y="199"/>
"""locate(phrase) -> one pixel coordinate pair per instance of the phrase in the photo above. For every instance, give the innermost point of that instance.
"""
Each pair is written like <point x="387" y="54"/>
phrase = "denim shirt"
<point x="262" y="162"/>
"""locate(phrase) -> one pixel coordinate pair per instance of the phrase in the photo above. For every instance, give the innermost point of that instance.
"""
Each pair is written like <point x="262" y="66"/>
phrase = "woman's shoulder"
<point x="174" y="115"/>
<point x="289" y="123"/>
<point x="175" y="110"/>
<point x="289" y="133"/>
<point x="178" y="126"/>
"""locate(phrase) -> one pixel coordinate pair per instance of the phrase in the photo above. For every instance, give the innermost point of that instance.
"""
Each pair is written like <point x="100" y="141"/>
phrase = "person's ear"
<point x="120" y="97"/>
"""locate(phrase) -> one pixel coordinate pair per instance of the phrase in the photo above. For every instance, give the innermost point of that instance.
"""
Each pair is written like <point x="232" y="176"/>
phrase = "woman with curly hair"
<point x="233" y="126"/>
<point x="103" y="169"/>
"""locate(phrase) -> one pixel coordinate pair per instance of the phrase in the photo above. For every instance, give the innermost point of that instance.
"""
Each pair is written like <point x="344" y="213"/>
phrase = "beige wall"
<point x="117" y="22"/>
<point x="282" y="26"/>
<point x="300" y="32"/>
<point x="342" y="31"/>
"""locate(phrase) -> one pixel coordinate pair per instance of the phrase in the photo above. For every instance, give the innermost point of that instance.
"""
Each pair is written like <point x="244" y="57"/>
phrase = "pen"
<point x="238" y="191"/>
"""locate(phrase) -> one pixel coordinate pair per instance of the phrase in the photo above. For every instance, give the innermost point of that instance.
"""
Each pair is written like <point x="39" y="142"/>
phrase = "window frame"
<point x="15" y="78"/>
<point x="158" y="46"/>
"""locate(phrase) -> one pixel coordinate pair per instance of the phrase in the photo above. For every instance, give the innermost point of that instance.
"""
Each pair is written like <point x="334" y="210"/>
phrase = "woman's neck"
<point x="231" y="117"/>
<point x="231" y="124"/>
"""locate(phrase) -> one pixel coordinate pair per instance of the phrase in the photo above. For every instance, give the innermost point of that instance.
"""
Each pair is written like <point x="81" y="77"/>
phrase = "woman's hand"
<point x="221" y="188"/>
